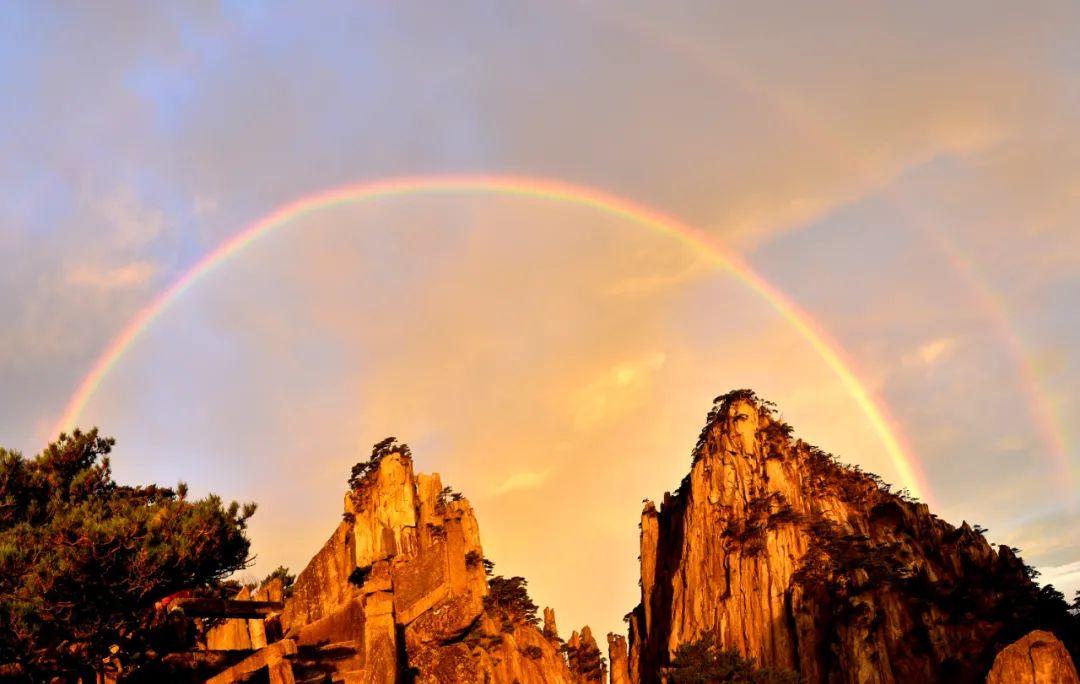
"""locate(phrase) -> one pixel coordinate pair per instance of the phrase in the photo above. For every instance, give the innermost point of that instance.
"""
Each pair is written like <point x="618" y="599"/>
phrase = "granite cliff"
<point x="768" y="550"/>
<point x="776" y="550"/>
<point x="401" y="592"/>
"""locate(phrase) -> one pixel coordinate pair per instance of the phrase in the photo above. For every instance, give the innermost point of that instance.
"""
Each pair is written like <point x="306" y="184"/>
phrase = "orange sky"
<point x="553" y="363"/>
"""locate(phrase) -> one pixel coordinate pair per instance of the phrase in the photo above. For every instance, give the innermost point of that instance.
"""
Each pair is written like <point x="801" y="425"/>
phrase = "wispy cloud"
<point x="105" y="279"/>
<point x="931" y="352"/>
<point x="522" y="481"/>
<point x="130" y="221"/>
<point x="1064" y="577"/>
<point x="615" y="391"/>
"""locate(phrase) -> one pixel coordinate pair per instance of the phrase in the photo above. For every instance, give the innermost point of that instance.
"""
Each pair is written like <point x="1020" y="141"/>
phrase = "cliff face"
<point x="789" y="558"/>
<point x="399" y="591"/>
<point x="769" y="547"/>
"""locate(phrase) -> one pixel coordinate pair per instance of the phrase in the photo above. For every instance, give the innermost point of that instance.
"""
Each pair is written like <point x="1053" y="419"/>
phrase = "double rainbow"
<point x="907" y="467"/>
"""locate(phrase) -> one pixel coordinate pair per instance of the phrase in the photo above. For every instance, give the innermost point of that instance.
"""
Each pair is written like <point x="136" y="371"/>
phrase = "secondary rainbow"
<point x="811" y="127"/>
<point x="908" y="468"/>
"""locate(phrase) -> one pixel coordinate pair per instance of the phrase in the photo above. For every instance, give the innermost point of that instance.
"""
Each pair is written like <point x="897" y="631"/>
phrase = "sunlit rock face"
<point x="1038" y="658"/>
<point x="242" y="635"/>
<point x="617" y="659"/>
<point x="768" y="546"/>
<point x="791" y="559"/>
<point x="399" y="589"/>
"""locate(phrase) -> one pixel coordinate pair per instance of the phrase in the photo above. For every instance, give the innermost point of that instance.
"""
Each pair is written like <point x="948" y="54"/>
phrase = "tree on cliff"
<point x="83" y="560"/>
<point x="584" y="660"/>
<point x="379" y="451"/>
<point x="281" y="573"/>
<point x="704" y="661"/>
<point x="508" y="600"/>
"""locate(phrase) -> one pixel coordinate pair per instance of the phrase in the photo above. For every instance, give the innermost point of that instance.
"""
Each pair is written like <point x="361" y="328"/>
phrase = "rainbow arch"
<point x="908" y="468"/>
<point x="1044" y="417"/>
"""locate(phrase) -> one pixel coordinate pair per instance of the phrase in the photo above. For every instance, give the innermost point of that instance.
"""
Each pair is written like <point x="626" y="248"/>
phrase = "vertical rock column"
<point x="617" y="660"/>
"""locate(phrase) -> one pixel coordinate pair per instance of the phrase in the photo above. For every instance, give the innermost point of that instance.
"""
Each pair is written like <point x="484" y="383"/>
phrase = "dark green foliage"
<point x="443" y="498"/>
<point x="833" y="558"/>
<point x="853" y="485"/>
<point x="585" y="661"/>
<point x="888" y="548"/>
<point x="508" y="600"/>
<point x="287" y="580"/>
<point x="912" y="555"/>
<point x="446" y="495"/>
<point x="83" y="559"/>
<point x="720" y="407"/>
<point x="359" y="575"/>
<point x="704" y="662"/>
<point x="379" y="451"/>
<point x="747" y="533"/>
<point x="533" y="652"/>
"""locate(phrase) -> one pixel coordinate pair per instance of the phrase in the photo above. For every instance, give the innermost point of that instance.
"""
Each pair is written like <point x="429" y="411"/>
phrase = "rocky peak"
<point x="617" y="659"/>
<point x="551" y="630"/>
<point x="401" y="590"/>
<point x="583" y="657"/>
<point x="781" y="553"/>
<point x="768" y="547"/>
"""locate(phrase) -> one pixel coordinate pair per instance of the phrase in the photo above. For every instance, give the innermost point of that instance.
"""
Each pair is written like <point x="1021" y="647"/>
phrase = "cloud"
<point x="106" y="279"/>
<point x="616" y="391"/>
<point x="513" y="338"/>
<point x="1067" y="575"/>
<point x="639" y="284"/>
<point x="130" y="222"/>
<point x="1049" y="540"/>
<point x="522" y="481"/>
<point x="932" y="351"/>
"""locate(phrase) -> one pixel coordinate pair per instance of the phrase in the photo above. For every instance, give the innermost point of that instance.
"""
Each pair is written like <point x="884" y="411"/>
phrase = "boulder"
<point x="1037" y="658"/>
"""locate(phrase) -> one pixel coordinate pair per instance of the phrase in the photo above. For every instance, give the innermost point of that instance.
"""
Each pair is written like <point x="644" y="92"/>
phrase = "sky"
<point x="907" y="174"/>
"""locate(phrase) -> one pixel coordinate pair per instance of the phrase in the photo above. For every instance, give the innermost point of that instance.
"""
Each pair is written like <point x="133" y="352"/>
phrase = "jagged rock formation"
<point x="551" y="630"/>
<point x="398" y="592"/>
<point x="769" y="547"/>
<point x="800" y="563"/>
<point x="1038" y="658"/>
<point x="583" y="657"/>
<point x="617" y="659"/>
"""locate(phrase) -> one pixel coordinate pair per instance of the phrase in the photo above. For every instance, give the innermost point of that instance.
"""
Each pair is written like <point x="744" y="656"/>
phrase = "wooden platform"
<point x="225" y="608"/>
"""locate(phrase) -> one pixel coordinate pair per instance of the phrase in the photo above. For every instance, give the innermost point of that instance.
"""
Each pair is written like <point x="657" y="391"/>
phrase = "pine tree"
<point x="704" y="662"/>
<point x="83" y="560"/>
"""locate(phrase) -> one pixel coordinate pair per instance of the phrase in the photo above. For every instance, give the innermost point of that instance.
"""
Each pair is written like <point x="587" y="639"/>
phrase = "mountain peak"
<point x="780" y="552"/>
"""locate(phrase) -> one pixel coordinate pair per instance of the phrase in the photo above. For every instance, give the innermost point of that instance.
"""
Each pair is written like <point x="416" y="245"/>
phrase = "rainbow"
<point x="908" y="469"/>
<point x="1050" y="431"/>
<point x="1047" y="424"/>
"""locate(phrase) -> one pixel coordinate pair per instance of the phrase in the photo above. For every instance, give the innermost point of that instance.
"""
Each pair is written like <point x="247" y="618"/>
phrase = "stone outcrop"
<point x="618" y="664"/>
<point x="583" y="657"/>
<point x="551" y="630"/>
<point x="398" y="590"/>
<point x="1038" y="658"/>
<point x="241" y="635"/>
<point x="268" y="663"/>
<point x="784" y="555"/>
<point x="768" y="547"/>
